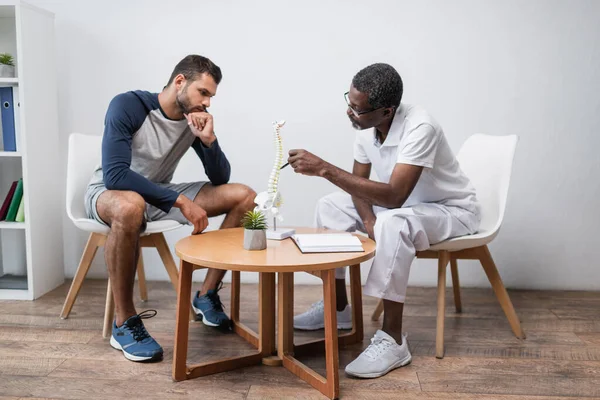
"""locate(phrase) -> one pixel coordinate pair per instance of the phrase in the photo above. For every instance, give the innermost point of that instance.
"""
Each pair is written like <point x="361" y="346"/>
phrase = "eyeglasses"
<point x="357" y="113"/>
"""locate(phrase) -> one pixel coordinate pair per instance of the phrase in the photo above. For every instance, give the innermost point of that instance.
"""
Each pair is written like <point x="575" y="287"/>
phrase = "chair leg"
<point x="443" y="259"/>
<point x="109" y="312"/>
<point x="494" y="277"/>
<point x="84" y="266"/>
<point x="378" y="311"/>
<point x="167" y="258"/>
<point x="455" y="284"/>
<point x="142" y="277"/>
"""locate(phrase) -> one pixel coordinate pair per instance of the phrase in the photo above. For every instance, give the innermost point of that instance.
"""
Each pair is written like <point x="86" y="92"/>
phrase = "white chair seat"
<point x="465" y="242"/>
<point x="90" y="225"/>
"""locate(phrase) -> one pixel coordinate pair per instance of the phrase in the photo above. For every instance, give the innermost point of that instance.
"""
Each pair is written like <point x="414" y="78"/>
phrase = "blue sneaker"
<point x="210" y="309"/>
<point x="134" y="341"/>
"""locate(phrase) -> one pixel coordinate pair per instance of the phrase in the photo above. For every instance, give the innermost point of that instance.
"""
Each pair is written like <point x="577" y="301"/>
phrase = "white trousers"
<point x="399" y="234"/>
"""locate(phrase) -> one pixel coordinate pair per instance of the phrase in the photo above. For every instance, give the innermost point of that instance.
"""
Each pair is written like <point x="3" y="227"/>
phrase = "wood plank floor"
<point x="42" y="356"/>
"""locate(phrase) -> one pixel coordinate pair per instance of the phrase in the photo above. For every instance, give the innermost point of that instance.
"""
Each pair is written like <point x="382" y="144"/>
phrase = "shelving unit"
<point x="12" y="225"/>
<point x="31" y="252"/>
<point x="9" y="81"/>
<point x="9" y="153"/>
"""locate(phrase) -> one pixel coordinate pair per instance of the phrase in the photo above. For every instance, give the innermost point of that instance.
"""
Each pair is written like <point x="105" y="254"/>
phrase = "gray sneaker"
<point x="314" y="318"/>
<point x="383" y="355"/>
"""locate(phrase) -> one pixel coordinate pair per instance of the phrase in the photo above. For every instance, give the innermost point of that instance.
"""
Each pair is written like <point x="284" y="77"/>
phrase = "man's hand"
<point x="304" y="162"/>
<point x="193" y="213"/>
<point x="201" y="124"/>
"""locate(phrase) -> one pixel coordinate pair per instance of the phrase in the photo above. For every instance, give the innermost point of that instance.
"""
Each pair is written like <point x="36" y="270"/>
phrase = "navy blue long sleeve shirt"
<point x="142" y="147"/>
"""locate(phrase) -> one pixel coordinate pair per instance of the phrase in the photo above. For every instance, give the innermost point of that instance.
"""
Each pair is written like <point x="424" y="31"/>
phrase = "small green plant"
<point x="254" y="220"/>
<point x="6" y="59"/>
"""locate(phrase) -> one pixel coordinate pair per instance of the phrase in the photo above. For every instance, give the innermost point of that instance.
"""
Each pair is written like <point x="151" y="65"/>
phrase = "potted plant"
<point x="255" y="230"/>
<point x="7" y="65"/>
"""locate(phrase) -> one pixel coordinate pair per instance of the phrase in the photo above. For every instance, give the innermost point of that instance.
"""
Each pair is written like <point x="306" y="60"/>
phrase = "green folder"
<point x="14" y="204"/>
<point x="21" y="212"/>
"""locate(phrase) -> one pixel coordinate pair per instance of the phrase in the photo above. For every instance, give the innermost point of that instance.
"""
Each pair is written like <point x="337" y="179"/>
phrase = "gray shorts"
<point x="189" y="190"/>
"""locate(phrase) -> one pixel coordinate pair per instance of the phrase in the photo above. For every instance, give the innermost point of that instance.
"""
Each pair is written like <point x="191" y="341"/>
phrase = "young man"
<point x="422" y="197"/>
<point x="145" y="136"/>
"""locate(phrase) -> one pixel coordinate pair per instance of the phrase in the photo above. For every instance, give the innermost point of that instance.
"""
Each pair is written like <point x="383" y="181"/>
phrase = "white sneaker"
<point x="383" y="355"/>
<point x="314" y="318"/>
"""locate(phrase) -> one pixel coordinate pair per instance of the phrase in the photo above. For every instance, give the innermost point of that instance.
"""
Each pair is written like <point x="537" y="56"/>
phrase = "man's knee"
<point x="245" y="197"/>
<point x="388" y="222"/>
<point x="332" y="202"/>
<point x="127" y="212"/>
<point x="334" y="212"/>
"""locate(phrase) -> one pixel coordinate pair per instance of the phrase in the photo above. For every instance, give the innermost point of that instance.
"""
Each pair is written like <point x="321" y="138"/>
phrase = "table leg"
<point x="182" y="324"/>
<point x="238" y="327"/>
<point x="235" y="296"/>
<point x="332" y="388"/>
<point x="264" y="340"/>
<point x="356" y="335"/>
<point x="266" y="304"/>
<point x="285" y="320"/>
<point x="328" y="386"/>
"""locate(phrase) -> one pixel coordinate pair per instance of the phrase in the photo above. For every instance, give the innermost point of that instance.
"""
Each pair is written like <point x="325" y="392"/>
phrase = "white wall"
<point x="529" y="68"/>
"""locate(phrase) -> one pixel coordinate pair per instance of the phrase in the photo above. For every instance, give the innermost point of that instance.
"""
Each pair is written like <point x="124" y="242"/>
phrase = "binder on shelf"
<point x="21" y="211"/>
<point x="14" y="203"/>
<point x="8" y="119"/>
<point x="7" y="200"/>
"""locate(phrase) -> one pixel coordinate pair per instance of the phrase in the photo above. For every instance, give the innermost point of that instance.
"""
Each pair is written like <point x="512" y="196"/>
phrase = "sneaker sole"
<point x="398" y="364"/>
<point x="204" y="320"/>
<point x="342" y="326"/>
<point x="131" y="357"/>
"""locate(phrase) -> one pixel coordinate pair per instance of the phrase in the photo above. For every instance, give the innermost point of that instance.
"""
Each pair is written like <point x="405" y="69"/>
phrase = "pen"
<point x="284" y="165"/>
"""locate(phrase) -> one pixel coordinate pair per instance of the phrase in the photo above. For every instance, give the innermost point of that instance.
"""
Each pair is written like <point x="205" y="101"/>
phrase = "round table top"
<point x="224" y="249"/>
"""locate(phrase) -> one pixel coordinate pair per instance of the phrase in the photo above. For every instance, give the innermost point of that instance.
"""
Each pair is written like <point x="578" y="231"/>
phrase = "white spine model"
<point x="269" y="202"/>
<point x="274" y="178"/>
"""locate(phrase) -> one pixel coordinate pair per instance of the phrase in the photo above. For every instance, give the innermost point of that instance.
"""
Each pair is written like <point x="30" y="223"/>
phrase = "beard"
<point x="355" y="124"/>
<point x="183" y="102"/>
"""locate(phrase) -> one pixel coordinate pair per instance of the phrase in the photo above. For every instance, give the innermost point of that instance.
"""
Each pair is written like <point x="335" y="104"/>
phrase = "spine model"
<point x="269" y="201"/>
<point x="274" y="177"/>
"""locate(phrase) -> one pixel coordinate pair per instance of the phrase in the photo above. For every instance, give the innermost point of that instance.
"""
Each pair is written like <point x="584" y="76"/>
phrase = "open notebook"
<point x="327" y="243"/>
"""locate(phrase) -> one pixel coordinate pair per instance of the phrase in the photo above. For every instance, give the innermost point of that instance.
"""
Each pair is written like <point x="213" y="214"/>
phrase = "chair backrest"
<point x="487" y="161"/>
<point x="85" y="154"/>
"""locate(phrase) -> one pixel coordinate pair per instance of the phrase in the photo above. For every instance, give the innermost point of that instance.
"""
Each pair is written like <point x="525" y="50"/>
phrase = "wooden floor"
<point x="42" y="356"/>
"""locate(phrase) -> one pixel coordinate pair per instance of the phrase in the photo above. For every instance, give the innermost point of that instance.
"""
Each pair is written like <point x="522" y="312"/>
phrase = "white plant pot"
<point x="7" y="71"/>
<point x="255" y="239"/>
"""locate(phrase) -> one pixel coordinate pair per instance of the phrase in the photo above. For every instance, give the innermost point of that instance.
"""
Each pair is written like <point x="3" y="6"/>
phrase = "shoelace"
<point x="377" y="347"/>
<point x="214" y="299"/>
<point x="138" y="329"/>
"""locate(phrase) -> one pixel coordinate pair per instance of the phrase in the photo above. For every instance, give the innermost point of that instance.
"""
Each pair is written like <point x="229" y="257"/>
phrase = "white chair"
<point x="84" y="156"/>
<point x="487" y="161"/>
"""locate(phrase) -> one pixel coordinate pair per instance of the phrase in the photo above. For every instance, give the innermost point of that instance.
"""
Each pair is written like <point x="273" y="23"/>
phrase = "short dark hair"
<point x="193" y="65"/>
<point x="382" y="83"/>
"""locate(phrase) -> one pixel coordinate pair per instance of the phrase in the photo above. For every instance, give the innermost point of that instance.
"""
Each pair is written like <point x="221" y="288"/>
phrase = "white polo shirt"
<point x="416" y="138"/>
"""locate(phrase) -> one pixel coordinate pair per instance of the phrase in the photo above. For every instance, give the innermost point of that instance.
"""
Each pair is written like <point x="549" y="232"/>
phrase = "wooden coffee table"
<point x="223" y="249"/>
